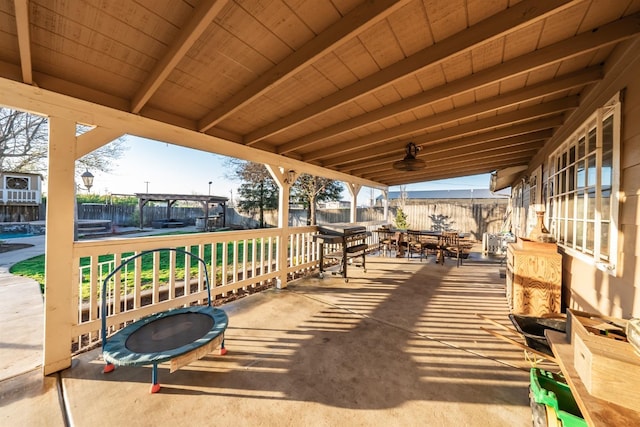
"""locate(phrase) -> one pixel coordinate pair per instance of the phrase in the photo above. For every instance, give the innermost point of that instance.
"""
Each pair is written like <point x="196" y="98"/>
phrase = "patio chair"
<point x="466" y="246"/>
<point x="401" y="244"/>
<point x="451" y="245"/>
<point x="386" y="240"/>
<point x="430" y="245"/>
<point x="414" y="245"/>
<point x="422" y="244"/>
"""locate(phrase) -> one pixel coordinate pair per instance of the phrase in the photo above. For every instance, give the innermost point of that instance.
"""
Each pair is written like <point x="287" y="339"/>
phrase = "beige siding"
<point x="586" y="287"/>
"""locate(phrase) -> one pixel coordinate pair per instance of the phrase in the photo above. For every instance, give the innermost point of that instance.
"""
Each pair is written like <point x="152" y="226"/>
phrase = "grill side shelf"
<point x="349" y="245"/>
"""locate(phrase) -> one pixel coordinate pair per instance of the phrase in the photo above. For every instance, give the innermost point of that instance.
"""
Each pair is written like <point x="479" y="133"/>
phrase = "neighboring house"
<point x="337" y="204"/>
<point x="427" y="196"/>
<point x="20" y="196"/>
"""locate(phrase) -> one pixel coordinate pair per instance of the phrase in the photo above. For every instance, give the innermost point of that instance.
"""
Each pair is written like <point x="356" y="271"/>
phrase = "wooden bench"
<point x="166" y="223"/>
<point x="91" y="229"/>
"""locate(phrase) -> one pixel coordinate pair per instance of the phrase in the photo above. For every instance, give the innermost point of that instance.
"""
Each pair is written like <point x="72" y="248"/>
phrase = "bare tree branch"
<point x="24" y="145"/>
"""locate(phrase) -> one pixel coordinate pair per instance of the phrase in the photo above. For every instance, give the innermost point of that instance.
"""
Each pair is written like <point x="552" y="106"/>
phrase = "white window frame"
<point x="561" y="220"/>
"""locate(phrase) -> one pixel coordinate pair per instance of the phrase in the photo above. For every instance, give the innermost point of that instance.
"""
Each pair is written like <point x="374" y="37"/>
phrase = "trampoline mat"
<point x="169" y="332"/>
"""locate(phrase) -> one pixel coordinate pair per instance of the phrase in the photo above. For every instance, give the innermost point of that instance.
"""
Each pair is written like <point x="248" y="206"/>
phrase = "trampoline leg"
<point x="155" y="386"/>
<point x="109" y="367"/>
<point x="223" y="350"/>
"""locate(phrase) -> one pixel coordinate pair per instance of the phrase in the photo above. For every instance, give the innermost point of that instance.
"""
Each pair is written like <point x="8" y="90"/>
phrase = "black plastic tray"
<point x="532" y="328"/>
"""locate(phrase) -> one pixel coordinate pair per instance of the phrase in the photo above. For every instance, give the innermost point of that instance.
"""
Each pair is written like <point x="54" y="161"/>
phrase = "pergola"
<point x="335" y="88"/>
<point x="171" y="199"/>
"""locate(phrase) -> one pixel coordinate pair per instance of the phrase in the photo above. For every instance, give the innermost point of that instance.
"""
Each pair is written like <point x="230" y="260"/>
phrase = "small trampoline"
<point x="180" y="335"/>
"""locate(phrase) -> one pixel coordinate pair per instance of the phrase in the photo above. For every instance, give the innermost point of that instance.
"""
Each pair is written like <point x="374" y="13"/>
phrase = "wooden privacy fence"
<point x="473" y="217"/>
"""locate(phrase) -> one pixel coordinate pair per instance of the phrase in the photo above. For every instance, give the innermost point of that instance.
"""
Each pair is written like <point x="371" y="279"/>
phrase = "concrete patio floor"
<point x="399" y="345"/>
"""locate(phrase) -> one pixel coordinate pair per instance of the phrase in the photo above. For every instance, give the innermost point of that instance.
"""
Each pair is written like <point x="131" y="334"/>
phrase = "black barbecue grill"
<point x="344" y="242"/>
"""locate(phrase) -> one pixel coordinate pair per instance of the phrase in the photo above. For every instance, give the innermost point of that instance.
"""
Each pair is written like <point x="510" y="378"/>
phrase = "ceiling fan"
<point x="410" y="162"/>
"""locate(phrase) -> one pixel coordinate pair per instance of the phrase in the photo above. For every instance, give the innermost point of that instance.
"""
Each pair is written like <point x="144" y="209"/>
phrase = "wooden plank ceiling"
<point x="477" y="85"/>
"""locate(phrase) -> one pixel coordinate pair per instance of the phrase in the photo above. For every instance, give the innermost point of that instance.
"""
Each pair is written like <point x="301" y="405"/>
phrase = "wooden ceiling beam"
<point x="462" y="165"/>
<point x="506" y="119"/>
<point x="495" y="103"/>
<point x="355" y="22"/>
<point x="506" y="137"/>
<point x="436" y="177"/>
<point x="24" y="39"/>
<point x="526" y="129"/>
<point x="510" y="144"/>
<point x="617" y="71"/>
<point x="498" y="154"/>
<point x="583" y="43"/>
<point x="202" y="17"/>
<point x="439" y="93"/>
<point x="502" y="146"/>
<point x="404" y="178"/>
<point x="518" y="16"/>
<point x="27" y="98"/>
<point x="94" y="139"/>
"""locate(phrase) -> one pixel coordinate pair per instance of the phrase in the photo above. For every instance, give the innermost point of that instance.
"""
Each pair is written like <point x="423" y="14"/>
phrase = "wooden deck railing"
<point x="9" y="196"/>
<point x="154" y="282"/>
<point x="242" y="259"/>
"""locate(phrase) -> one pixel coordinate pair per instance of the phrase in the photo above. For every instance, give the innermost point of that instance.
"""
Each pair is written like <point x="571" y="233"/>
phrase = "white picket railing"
<point x="251" y="260"/>
<point x="8" y="196"/>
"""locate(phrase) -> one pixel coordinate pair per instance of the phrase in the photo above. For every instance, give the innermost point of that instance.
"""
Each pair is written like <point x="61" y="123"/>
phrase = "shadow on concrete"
<point x="393" y="345"/>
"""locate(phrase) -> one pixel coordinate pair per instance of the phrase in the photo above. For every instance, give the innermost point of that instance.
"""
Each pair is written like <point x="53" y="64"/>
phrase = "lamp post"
<point x="87" y="179"/>
<point x="210" y="182"/>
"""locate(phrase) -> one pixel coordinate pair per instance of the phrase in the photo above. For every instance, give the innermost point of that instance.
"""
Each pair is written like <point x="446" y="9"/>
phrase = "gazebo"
<point x="171" y="199"/>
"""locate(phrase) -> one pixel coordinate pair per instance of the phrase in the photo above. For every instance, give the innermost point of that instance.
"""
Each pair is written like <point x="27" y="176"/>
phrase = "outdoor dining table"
<point x="443" y="242"/>
<point x="389" y="238"/>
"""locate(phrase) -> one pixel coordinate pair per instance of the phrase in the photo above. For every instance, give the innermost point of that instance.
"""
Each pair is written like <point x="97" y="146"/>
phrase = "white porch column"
<point x="284" y="178"/>
<point x="354" y="189"/>
<point x="59" y="308"/>
<point x="385" y="203"/>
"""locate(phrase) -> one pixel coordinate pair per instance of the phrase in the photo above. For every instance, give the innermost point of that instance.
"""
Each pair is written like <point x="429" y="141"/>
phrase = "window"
<point x="17" y="183"/>
<point x="580" y="181"/>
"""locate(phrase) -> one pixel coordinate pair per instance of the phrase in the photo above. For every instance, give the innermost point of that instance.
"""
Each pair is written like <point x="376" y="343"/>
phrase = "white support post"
<point x="385" y="202"/>
<point x="285" y="179"/>
<point x="354" y="189"/>
<point x="59" y="308"/>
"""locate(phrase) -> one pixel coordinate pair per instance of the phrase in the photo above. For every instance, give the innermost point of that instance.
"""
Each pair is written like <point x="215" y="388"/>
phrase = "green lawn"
<point x="34" y="267"/>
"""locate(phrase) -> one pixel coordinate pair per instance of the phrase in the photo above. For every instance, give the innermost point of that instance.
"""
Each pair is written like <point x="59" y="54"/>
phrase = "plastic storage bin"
<point x="552" y="390"/>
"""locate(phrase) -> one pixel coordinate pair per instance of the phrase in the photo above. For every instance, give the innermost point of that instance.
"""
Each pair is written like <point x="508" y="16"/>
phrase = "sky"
<point x="157" y="167"/>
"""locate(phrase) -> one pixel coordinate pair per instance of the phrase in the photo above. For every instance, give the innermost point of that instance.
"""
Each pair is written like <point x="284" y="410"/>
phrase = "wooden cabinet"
<point x="534" y="277"/>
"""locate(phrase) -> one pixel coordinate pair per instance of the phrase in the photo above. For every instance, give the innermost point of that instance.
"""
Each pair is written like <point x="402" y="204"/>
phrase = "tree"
<point x="24" y="145"/>
<point x="401" y="220"/>
<point x="402" y="200"/>
<point x="258" y="191"/>
<point x="309" y="190"/>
